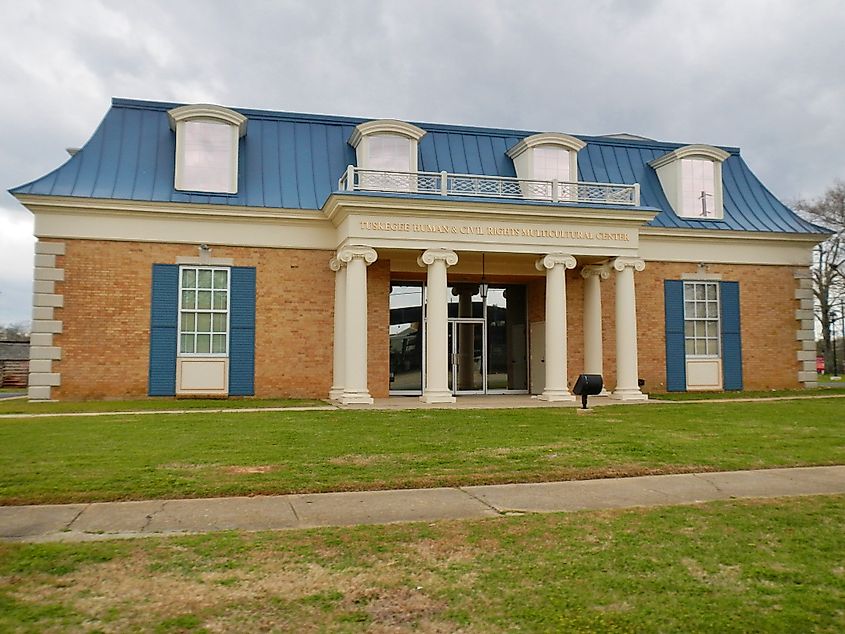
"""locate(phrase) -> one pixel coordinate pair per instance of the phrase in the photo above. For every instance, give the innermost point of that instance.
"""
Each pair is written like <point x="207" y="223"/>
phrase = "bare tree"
<point x="829" y="262"/>
<point x="14" y="332"/>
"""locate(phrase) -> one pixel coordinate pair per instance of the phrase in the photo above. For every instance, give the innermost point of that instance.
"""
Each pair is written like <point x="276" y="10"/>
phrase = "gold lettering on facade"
<point x="490" y="230"/>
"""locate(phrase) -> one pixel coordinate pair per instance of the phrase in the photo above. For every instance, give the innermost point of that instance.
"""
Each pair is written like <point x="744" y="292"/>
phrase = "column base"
<point x="437" y="396"/>
<point x="556" y="396"/>
<point x="628" y="394"/>
<point x="356" y="398"/>
<point x="335" y="393"/>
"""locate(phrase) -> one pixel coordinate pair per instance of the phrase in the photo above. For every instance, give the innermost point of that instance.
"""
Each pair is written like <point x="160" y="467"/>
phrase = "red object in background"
<point x="820" y="365"/>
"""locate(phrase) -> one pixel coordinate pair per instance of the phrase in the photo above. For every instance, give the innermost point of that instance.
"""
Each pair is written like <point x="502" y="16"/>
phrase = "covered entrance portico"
<point x="443" y="261"/>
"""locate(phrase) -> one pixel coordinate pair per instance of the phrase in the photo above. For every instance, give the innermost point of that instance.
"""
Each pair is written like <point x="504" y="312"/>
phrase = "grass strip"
<point x="59" y="460"/>
<point x="763" y="566"/>
<point x="150" y="404"/>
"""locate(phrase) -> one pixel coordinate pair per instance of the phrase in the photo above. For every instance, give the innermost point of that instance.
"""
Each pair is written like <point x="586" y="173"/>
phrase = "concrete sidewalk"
<point x="81" y="522"/>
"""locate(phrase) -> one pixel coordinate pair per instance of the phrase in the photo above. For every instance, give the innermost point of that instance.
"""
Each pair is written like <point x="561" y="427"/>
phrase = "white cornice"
<point x="720" y="234"/>
<point x="207" y="111"/>
<point x="60" y="204"/>
<point x="338" y="206"/>
<point x="691" y="151"/>
<point x="385" y="126"/>
<point x="546" y="138"/>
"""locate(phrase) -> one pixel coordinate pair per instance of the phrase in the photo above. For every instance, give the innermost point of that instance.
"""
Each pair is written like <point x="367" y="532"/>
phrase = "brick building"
<point x="198" y="250"/>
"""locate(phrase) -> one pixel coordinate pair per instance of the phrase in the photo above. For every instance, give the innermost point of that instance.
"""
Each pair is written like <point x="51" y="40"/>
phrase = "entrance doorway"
<point x="487" y="338"/>
<point x="468" y="356"/>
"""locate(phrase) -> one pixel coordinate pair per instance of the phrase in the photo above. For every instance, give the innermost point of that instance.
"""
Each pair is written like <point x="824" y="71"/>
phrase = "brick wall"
<point x="106" y="315"/>
<point x="767" y="306"/>
<point x="105" y="338"/>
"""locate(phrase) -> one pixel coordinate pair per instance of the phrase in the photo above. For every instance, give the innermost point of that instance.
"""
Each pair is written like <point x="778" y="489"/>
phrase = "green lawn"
<point x="62" y="407"/>
<point x="212" y="454"/>
<point x="831" y="389"/>
<point x="740" y="566"/>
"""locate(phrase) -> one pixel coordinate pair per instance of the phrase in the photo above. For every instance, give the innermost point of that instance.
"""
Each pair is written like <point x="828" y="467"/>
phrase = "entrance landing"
<point x="484" y="401"/>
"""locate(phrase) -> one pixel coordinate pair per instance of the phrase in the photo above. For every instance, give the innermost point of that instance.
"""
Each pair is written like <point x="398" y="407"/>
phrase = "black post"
<point x="584" y="401"/>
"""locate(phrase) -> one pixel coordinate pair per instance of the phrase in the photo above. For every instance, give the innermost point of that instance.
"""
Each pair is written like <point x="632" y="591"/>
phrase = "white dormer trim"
<point x="523" y="159"/>
<point x="359" y="139"/>
<point x="670" y="174"/>
<point x="691" y="151"/>
<point x="547" y="138"/>
<point x="209" y="112"/>
<point x="206" y="113"/>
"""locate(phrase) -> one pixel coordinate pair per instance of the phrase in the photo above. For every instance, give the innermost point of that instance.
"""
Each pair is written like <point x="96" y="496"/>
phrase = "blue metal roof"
<point x="294" y="161"/>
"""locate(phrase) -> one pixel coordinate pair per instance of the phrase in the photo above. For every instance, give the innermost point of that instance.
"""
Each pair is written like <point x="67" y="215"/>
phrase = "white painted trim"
<point x="558" y="139"/>
<point x="385" y="126"/>
<point x="208" y="112"/>
<point x="691" y="151"/>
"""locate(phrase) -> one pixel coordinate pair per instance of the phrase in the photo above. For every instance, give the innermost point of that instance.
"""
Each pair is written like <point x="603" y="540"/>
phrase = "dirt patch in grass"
<point x="247" y="469"/>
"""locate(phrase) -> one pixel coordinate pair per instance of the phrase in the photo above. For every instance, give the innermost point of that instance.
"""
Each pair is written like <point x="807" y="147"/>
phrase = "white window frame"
<point x="692" y="319"/>
<point x="669" y="169"/>
<point x="386" y="180"/>
<point x="195" y="311"/>
<point x="204" y="113"/>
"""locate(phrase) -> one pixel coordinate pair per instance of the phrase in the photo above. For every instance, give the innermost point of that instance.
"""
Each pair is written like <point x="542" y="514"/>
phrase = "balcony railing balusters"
<point x="446" y="184"/>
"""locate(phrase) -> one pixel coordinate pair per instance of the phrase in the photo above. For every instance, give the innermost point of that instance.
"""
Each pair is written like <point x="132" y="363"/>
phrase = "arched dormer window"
<point x="386" y="152"/>
<point x="550" y="156"/>
<point x="207" y="148"/>
<point x="691" y="178"/>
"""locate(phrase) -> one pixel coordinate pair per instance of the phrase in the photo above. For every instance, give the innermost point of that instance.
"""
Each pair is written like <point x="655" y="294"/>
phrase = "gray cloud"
<point x="764" y="75"/>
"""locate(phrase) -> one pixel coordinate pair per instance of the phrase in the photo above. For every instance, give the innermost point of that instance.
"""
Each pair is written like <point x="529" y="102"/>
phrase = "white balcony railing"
<point x="446" y="184"/>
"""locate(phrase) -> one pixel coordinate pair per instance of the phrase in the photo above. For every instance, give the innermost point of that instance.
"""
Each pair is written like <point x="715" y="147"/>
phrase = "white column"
<point x="555" y="265"/>
<point x="339" y="348"/>
<point x="437" y="388"/>
<point x="627" y="373"/>
<point x="356" y="258"/>
<point x="593" y="348"/>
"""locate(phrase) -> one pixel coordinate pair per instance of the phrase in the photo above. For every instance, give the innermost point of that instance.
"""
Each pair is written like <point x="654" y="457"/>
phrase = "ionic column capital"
<point x="335" y="264"/>
<point x="552" y="260"/>
<point x="600" y="270"/>
<point x="431" y="256"/>
<point x="620" y="264"/>
<point x="348" y="253"/>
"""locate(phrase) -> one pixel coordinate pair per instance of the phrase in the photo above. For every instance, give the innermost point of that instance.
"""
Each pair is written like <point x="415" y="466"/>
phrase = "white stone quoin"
<point x="339" y="348"/>
<point x="593" y="348"/>
<point x="437" y="388"/>
<point x="357" y="259"/>
<point x="627" y="371"/>
<point x="555" y="265"/>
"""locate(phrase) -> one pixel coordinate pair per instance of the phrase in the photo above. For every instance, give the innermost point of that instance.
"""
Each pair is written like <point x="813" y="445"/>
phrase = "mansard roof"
<point x="294" y="161"/>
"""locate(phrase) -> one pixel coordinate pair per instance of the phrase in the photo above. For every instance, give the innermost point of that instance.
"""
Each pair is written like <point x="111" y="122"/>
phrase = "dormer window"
<point x="389" y="152"/>
<point x="691" y="178"/>
<point x="541" y="159"/>
<point x="386" y="152"/>
<point x="551" y="163"/>
<point x="207" y="148"/>
<point x="698" y="188"/>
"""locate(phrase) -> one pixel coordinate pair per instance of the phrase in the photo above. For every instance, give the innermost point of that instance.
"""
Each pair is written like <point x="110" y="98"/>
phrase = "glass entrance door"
<point x="467" y="356"/>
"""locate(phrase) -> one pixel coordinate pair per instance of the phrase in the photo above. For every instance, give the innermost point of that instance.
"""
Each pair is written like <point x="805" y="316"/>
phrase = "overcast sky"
<point x="765" y="75"/>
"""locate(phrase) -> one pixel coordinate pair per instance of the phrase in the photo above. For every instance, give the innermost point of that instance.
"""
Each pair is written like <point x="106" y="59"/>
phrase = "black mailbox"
<point x="587" y="385"/>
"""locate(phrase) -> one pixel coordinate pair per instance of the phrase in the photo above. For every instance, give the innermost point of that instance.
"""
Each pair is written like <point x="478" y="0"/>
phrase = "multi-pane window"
<point x="551" y="163"/>
<point x="701" y="319"/>
<point x="698" y="189"/>
<point x="387" y="153"/>
<point x="208" y="155"/>
<point x="204" y="310"/>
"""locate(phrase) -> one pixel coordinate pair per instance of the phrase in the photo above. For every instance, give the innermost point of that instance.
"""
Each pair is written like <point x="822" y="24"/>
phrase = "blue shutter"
<point x="242" y="331"/>
<point x="164" y="317"/>
<point x="731" y="338"/>
<point x="676" y="361"/>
